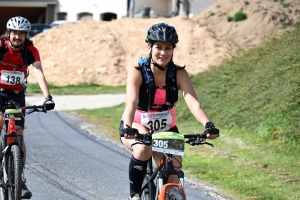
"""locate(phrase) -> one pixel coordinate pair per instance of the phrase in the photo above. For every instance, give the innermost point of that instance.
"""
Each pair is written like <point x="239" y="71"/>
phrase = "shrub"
<point x="239" y="16"/>
<point x="285" y="5"/>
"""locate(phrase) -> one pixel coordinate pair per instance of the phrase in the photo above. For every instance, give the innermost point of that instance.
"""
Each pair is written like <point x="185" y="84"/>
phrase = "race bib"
<point x="157" y="121"/>
<point x="12" y="77"/>
<point x="168" y="142"/>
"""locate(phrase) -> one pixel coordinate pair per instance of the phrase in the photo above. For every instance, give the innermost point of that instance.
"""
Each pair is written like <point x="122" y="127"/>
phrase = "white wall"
<point x="119" y="7"/>
<point x="95" y="7"/>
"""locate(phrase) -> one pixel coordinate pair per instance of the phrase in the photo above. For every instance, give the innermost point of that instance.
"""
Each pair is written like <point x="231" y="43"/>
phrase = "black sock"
<point x="137" y="171"/>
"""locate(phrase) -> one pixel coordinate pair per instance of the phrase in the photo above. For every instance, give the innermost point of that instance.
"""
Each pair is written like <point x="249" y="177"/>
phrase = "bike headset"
<point x="159" y="32"/>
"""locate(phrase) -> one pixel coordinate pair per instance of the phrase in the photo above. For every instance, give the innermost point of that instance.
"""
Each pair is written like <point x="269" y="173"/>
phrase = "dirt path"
<point x="76" y="102"/>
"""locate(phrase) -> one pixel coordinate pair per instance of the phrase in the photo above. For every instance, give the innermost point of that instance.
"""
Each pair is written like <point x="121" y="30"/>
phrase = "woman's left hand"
<point x="211" y="131"/>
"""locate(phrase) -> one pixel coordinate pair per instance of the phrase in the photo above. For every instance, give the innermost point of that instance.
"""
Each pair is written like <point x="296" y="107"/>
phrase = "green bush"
<point x="285" y="5"/>
<point x="239" y="16"/>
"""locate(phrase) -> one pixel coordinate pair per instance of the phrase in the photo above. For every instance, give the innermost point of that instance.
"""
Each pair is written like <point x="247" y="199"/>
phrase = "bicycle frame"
<point x="12" y="160"/>
<point x="13" y="155"/>
<point x="8" y="141"/>
<point x="159" y="177"/>
<point x="162" y="172"/>
<point x="163" y="175"/>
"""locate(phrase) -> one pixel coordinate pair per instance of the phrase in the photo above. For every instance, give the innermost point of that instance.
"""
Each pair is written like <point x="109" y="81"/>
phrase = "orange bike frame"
<point x="162" y="195"/>
<point x="11" y="128"/>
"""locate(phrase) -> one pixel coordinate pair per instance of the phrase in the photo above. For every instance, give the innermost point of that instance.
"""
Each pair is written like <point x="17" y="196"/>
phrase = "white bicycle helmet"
<point x="18" y="23"/>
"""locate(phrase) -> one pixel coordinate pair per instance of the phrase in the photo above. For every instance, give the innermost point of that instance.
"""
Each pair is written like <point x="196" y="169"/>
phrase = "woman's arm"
<point x="185" y="85"/>
<point x="133" y="83"/>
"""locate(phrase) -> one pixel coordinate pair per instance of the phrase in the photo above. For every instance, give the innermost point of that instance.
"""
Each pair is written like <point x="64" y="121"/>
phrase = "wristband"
<point x="209" y="125"/>
<point x="49" y="97"/>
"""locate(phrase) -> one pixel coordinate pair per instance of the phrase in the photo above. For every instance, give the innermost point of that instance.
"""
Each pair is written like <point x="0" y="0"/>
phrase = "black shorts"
<point x="20" y="102"/>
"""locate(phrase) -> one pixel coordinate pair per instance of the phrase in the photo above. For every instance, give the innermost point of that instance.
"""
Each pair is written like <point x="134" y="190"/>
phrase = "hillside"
<point x="101" y="52"/>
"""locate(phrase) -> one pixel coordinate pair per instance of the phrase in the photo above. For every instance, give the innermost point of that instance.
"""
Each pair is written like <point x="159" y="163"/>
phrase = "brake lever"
<point x="194" y="142"/>
<point x="30" y="111"/>
<point x="35" y="109"/>
<point x="210" y="144"/>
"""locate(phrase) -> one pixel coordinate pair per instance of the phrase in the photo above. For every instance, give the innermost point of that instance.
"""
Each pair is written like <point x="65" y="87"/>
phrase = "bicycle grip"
<point x="203" y="135"/>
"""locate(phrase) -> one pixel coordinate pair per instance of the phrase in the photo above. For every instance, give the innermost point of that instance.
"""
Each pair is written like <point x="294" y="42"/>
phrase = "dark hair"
<point x="5" y="36"/>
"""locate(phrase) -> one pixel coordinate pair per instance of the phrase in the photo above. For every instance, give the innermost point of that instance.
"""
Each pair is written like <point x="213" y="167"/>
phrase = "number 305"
<point x="160" y="144"/>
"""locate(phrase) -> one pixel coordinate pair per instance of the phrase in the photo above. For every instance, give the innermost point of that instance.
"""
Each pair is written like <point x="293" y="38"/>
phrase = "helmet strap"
<point x="158" y="66"/>
<point x="155" y="64"/>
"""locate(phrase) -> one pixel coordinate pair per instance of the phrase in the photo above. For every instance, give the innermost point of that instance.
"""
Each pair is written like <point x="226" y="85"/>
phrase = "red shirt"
<point x="10" y="80"/>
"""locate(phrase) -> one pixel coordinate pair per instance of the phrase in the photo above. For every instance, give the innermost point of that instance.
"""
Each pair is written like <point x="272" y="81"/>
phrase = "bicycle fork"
<point x="162" y="188"/>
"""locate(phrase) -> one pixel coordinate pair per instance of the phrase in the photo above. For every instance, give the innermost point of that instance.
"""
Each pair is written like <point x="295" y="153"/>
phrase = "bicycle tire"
<point x="146" y="192"/>
<point x="175" y="193"/>
<point x="2" y="189"/>
<point x="14" y="174"/>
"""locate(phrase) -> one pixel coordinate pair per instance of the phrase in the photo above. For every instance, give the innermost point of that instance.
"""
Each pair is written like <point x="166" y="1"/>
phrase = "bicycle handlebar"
<point x="34" y="108"/>
<point x="197" y="139"/>
<point x="192" y="139"/>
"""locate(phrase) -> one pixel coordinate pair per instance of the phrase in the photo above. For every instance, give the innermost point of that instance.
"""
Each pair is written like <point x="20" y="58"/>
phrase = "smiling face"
<point x="17" y="38"/>
<point x="162" y="53"/>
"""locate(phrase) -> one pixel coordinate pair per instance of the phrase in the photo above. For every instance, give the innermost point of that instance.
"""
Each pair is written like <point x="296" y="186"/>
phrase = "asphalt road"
<point x="68" y="160"/>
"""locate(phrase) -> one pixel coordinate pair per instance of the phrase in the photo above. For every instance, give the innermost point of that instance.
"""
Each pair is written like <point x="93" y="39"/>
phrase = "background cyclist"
<point x="151" y="91"/>
<point x="17" y="49"/>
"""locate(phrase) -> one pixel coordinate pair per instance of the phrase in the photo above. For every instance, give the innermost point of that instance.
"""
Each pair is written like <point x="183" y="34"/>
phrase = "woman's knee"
<point x="143" y="149"/>
<point x="142" y="152"/>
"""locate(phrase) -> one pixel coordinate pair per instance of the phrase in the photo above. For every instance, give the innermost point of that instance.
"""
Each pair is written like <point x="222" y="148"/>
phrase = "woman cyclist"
<point x="151" y="93"/>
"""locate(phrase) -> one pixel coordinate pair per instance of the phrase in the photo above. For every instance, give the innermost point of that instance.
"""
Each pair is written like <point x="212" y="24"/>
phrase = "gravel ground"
<point x="76" y="102"/>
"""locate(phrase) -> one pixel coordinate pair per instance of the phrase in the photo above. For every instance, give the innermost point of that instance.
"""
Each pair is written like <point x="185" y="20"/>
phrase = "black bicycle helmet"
<point x="162" y="32"/>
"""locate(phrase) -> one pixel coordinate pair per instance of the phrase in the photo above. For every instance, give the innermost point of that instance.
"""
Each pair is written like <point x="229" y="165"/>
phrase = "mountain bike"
<point x="13" y="155"/>
<point x="155" y="185"/>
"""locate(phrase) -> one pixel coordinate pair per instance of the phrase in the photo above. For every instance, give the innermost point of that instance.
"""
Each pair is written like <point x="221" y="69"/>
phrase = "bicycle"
<point x="155" y="185"/>
<point x="13" y="155"/>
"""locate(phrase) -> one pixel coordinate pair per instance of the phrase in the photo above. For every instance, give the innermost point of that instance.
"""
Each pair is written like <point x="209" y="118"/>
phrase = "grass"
<point x="254" y="99"/>
<point x="109" y="118"/>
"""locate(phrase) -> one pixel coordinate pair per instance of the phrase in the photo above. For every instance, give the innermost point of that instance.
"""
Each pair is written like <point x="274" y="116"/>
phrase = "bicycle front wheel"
<point x="2" y="189"/>
<point x="175" y="193"/>
<point x="14" y="174"/>
<point x="149" y="190"/>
